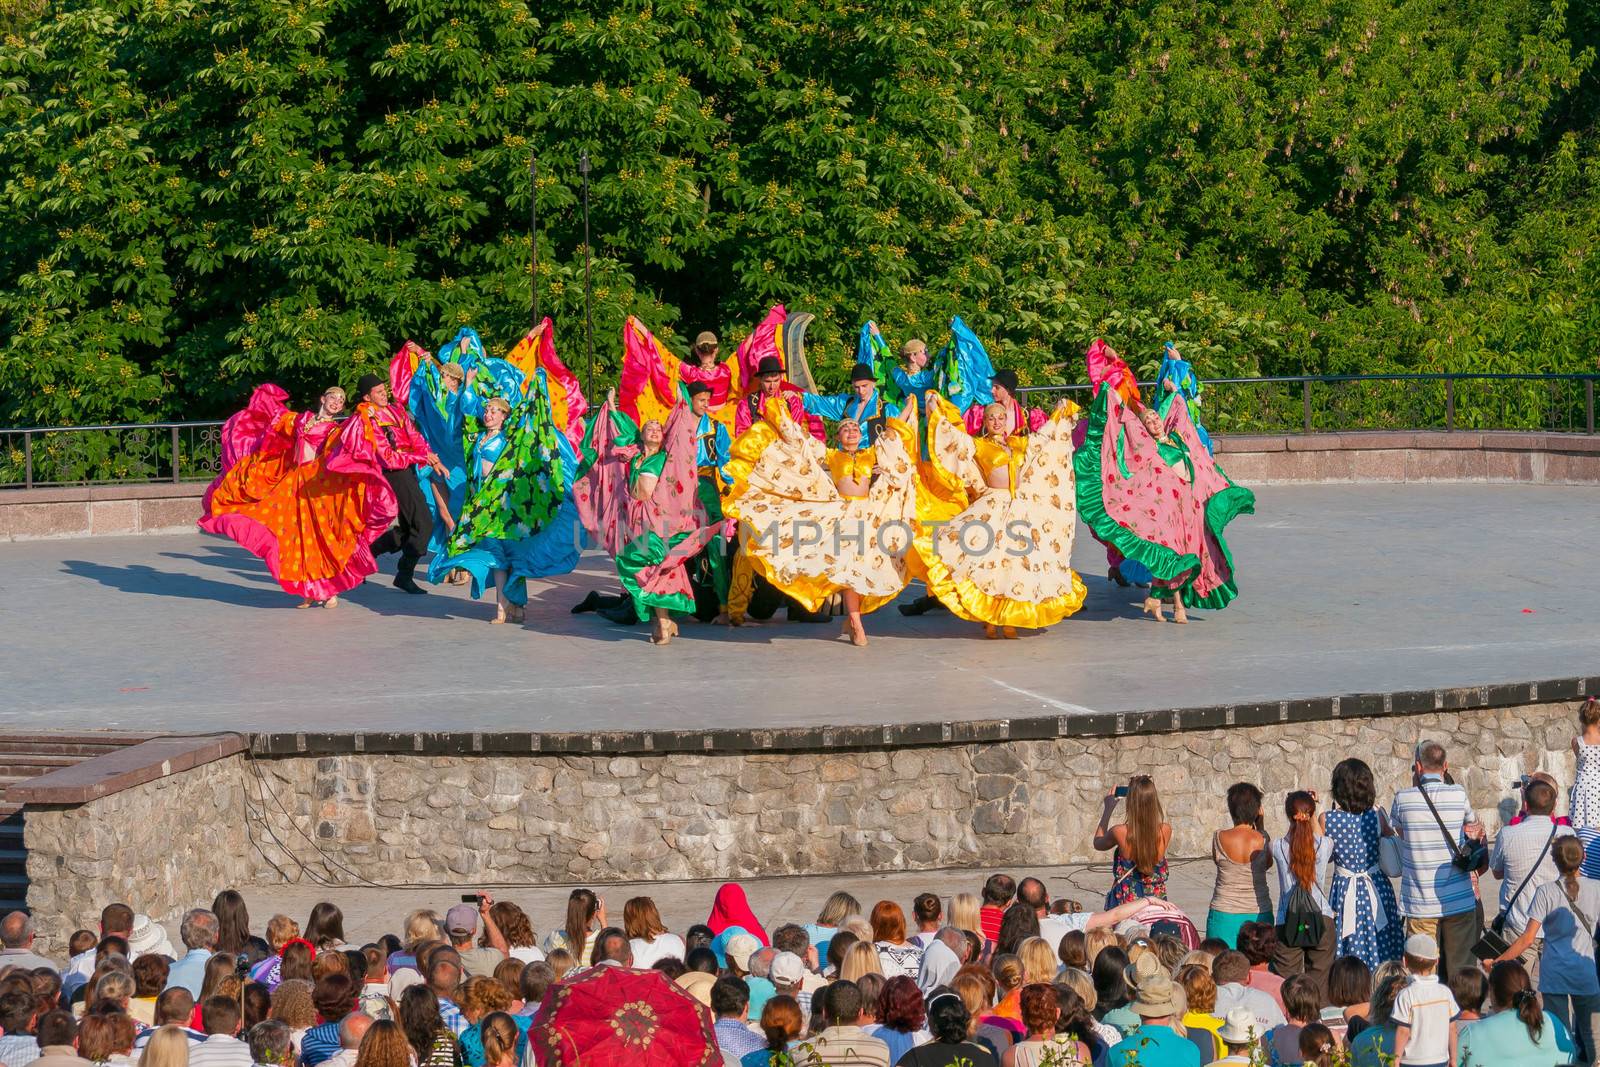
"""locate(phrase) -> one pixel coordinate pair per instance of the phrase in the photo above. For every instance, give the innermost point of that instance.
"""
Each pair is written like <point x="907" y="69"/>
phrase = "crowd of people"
<point x="710" y="482"/>
<point x="1333" y="967"/>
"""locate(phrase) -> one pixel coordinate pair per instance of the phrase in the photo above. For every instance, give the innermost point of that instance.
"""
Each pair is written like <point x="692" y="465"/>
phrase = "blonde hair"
<point x="280" y="931"/>
<point x="858" y="925"/>
<point x="859" y="959"/>
<point x="168" y="1047"/>
<point x="561" y="961"/>
<point x="1007" y="973"/>
<point x="1096" y="942"/>
<point x="974" y="995"/>
<point x="330" y="390"/>
<point x="965" y="913"/>
<point x="421" y="925"/>
<point x="916" y="344"/>
<point x="1039" y="964"/>
<point x="1080" y="983"/>
<point x="497" y="402"/>
<point x="838" y="908"/>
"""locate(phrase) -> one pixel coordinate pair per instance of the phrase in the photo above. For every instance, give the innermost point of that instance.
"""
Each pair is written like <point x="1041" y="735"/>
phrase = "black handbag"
<point x="1470" y="858"/>
<point x="1492" y="943"/>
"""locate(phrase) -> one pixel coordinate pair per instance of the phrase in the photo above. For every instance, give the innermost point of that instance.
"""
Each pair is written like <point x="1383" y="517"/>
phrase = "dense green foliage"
<point x="204" y="194"/>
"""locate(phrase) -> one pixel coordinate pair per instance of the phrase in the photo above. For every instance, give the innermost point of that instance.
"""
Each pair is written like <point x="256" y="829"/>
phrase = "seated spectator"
<point x="1155" y="1042"/>
<point x="219" y="1019"/>
<point x="116" y="920"/>
<point x="941" y="960"/>
<point x="787" y="974"/>
<point x="839" y="947"/>
<point x="18" y="1013"/>
<point x="1349" y="989"/>
<point x="1040" y="1012"/>
<point x="386" y="1045"/>
<point x="16" y="943"/>
<point x="1518" y="1032"/>
<point x="174" y="1009"/>
<point x="534" y="982"/>
<point x="281" y="931"/>
<point x="562" y="962"/>
<point x="292" y="1006"/>
<point x="1080" y="983"/>
<point x="611" y="948"/>
<point x="759" y="981"/>
<point x="1231" y="971"/>
<point x="1240" y="1037"/>
<point x="167" y="1046"/>
<point x="1317" y="1046"/>
<point x="927" y="912"/>
<point x="586" y="913"/>
<point x="782" y="1024"/>
<point x="1258" y="942"/>
<point x="58" y="1041"/>
<point x="335" y="997"/>
<point x="647" y="934"/>
<point x="1072" y="950"/>
<point x="149" y="979"/>
<point x="730" y="1003"/>
<point x="1374" y="1046"/>
<point x="81" y="941"/>
<point x="444" y="981"/>
<point x="1038" y="959"/>
<point x="701" y="975"/>
<point x="861" y="959"/>
<point x="199" y="936"/>
<point x="432" y="1042"/>
<point x="352" y="1028"/>
<point x="901" y="1017"/>
<point x="897" y="954"/>
<point x="461" y="926"/>
<point x="481" y="998"/>
<point x="1302" y="1006"/>
<point x="792" y="937"/>
<point x="844" y="1043"/>
<point x="966" y="913"/>
<point x="1006" y="972"/>
<point x="838" y="909"/>
<point x="1112" y="993"/>
<point x="1075" y="1024"/>
<point x="269" y="1044"/>
<point x="1200" y="996"/>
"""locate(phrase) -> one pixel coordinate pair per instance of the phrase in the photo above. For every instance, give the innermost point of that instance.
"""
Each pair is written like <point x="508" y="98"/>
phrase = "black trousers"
<point x="409" y="536"/>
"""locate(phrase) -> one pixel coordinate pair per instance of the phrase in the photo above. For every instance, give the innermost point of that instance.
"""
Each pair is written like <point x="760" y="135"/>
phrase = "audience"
<point x="1242" y="858"/>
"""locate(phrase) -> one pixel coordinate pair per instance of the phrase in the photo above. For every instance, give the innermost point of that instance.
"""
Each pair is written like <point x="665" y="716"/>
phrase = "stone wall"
<point x="544" y="818"/>
<point x="163" y="847"/>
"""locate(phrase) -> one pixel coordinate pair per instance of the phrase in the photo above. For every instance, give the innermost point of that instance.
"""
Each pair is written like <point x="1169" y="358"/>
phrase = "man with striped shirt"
<point x="1437" y="897"/>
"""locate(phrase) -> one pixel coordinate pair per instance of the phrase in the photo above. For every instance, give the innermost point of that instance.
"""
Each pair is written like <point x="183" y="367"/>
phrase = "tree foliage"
<point x="203" y="194"/>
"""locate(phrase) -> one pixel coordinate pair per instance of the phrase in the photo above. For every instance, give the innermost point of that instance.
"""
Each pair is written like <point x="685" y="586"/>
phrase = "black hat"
<point x="367" y="384"/>
<point x="694" y="389"/>
<point x="1007" y="378"/>
<point x="769" y="365"/>
<point x="862" y="373"/>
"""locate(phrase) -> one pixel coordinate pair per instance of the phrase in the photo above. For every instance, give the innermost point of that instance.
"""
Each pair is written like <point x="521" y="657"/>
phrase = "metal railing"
<point x="178" y="452"/>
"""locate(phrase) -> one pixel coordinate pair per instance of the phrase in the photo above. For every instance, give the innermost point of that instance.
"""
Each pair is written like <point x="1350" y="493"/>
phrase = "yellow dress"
<point x="799" y="532"/>
<point x="1005" y="556"/>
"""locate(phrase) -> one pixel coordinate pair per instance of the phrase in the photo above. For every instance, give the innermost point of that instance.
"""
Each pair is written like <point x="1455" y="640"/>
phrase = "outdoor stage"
<point x="1344" y="588"/>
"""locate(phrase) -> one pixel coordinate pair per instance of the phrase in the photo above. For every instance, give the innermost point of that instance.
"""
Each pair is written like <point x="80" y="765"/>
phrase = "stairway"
<point x="28" y="755"/>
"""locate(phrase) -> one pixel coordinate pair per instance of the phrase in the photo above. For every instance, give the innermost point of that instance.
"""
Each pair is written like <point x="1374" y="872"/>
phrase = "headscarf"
<point x="939" y="966"/>
<point x="729" y="908"/>
<point x="719" y="944"/>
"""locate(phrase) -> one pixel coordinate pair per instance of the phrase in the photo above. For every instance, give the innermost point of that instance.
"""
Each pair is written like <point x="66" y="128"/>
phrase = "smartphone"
<point x="1120" y="791"/>
<point x="469" y="898"/>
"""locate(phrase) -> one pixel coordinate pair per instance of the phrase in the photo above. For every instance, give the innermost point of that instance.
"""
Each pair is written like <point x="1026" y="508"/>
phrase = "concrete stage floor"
<point x="1348" y="588"/>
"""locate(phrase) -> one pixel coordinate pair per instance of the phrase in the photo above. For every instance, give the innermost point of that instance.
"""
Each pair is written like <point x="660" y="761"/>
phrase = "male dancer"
<point x="400" y="448"/>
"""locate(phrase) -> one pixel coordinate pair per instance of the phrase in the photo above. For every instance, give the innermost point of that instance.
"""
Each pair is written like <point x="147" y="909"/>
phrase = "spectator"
<point x="16" y="943"/>
<point x="148" y="938"/>
<point x="18" y="1013"/>
<point x="522" y="944"/>
<point x="293" y="1006"/>
<point x="1523" y="859"/>
<point x="46" y="987"/>
<point x="386" y="1045"/>
<point x="966" y="913"/>
<point x="941" y="960"/>
<point x="1349" y="990"/>
<point x="444" y="979"/>
<point x="80" y="941"/>
<point x="730" y="1001"/>
<point x="255" y="1004"/>
<point x="167" y="1047"/>
<point x="1302" y="1003"/>
<point x="792" y="937"/>
<point x="844" y="1043"/>
<point x="901" y="1017"/>
<point x="233" y="926"/>
<point x="701" y="974"/>
<point x="1424" y="1032"/>
<point x="1301" y="857"/>
<point x="219" y="967"/>
<point x="1242" y="858"/>
<point x="562" y="962"/>
<point x="219" y="1019"/>
<point x="1240" y="1038"/>
<point x="325" y="927"/>
<point x="282" y="932"/>
<point x="1258" y="942"/>
<point x="1361" y="897"/>
<point x="509" y="975"/>
<point x="1437" y="897"/>
<point x="1019" y="923"/>
<point x="149" y="979"/>
<point x="116" y="920"/>
<point x="58" y="1041"/>
<point x="269" y="1043"/>
<point x="461" y="926"/>
<point x="648" y="935"/>
<point x="1231" y="971"/>
<point x="975" y="986"/>
<point x="1317" y="1046"/>
<point x="836" y="910"/>
<point x="1073" y="950"/>
<point x="586" y="913"/>
<point x="1563" y="914"/>
<point x="1138" y="845"/>
<point x="896" y="954"/>
<point x="116" y="988"/>
<point x="788" y="980"/>
<point x="335" y="997"/>
<point x="174" y="1010"/>
<point x="532" y="984"/>
<point x="949" y="1024"/>
<point x="997" y="894"/>
<point x="1469" y="986"/>
<point x="432" y="1042"/>
<point x="1200" y="996"/>
<point x="1154" y="1042"/>
<point x="730" y="909"/>
<point x="1111" y="991"/>
<point x="1519" y="1032"/>
<point x="927" y="912"/>
<point x="782" y="1023"/>
<point x="759" y="981"/>
<point x="860" y="959"/>
<point x="199" y="936"/>
<point x="482" y="998"/>
<point x="1080" y="983"/>
<point x="352" y="1028"/>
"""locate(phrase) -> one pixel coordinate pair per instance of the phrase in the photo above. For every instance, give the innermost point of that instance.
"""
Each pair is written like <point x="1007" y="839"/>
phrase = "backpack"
<point x="1303" y="922"/>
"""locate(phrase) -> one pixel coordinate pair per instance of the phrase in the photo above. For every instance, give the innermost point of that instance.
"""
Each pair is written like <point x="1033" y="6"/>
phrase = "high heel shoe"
<point x="1179" y="615"/>
<point x="331" y="602"/>
<point x="991" y="631"/>
<point x="1152" y="606"/>
<point x="858" y="635"/>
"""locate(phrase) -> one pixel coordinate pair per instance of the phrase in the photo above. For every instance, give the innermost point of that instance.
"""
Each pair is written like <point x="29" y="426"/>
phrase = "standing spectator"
<point x="58" y="1041"/>
<point x="1585" y="804"/>
<point x="844" y="1043"/>
<point x="1366" y="916"/>
<point x="1155" y="1042"/>
<point x="461" y="926"/>
<point x="897" y="955"/>
<point x="901" y="1017"/>
<point x="233" y="927"/>
<point x="18" y="1013"/>
<point x="730" y="1002"/>
<point x="949" y="1024"/>
<point x="1523" y="859"/>
<point x="1242" y="858"/>
<point x="430" y="1039"/>
<point x="1438" y="897"/>
<point x="1565" y="912"/>
<point x="16" y="937"/>
<point x="198" y="933"/>
<point x="1302" y="858"/>
<point x="522" y="944"/>
<point x="997" y="894"/>
<point x="1469" y="986"/>
<point x="648" y="934"/>
<point x="1231" y="970"/>
<point x="836" y="911"/>
<point x="1519" y="1032"/>
<point x="928" y="914"/>
<point x="1138" y="845"/>
<point x="219" y="1018"/>
<point x="1423" y="1012"/>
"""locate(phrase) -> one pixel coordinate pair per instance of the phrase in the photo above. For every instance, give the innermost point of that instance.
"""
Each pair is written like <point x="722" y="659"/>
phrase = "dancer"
<point x="637" y="496"/>
<point x="709" y="571"/>
<point x="898" y="383"/>
<point x="1149" y="490"/>
<point x="441" y="399"/>
<point x="1019" y="419"/>
<point x="1176" y="377"/>
<point x="299" y="499"/>
<point x="1006" y="559"/>
<point x="863" y="405"/>
<point x="1105" y="368"/>
<point x="653" y="380"/>
<point x="519" y="521"/>
<point x="383" y="429"/>
<point x="824" y="522"/>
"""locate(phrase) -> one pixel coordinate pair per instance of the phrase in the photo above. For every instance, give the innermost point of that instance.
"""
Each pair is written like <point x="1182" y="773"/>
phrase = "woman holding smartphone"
<point x="1243" y="857"/>
<point x="1138" y="845"/>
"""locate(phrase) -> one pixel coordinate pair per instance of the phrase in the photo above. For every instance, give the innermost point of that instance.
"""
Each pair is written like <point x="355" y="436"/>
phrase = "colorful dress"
<point x="1186" y="383"/>
<point x="651" y="539"/>
<point x="1005" y="558"/>
<point x="519" y="516"/>
<point x="1362" y="898"/>
<point x="801" y="533"/>
<point x="1021" y="420"/>
<point x="1585" y="806"/>
<point x="1162" y="503"/>
<point x="249" y="428"/>
<point x="1130" y="884"/>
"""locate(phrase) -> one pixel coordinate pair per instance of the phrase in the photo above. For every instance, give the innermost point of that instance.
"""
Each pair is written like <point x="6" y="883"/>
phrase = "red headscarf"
<point x="729" y="908"/>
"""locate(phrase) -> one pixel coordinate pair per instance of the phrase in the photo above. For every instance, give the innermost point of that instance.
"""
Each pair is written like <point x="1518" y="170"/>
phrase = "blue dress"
<point x="1356" y="875"/>
<point x="1187" y="383"/>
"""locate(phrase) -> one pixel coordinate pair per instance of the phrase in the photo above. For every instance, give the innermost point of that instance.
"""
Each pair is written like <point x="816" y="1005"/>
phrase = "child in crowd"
<point x="1425" y="1035"/>
<point x="1469" y="986"/>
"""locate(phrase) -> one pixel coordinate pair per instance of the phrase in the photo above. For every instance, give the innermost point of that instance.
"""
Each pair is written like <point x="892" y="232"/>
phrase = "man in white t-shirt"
<point x="1424" y="1033"/>
<point x="1031" y="891"/>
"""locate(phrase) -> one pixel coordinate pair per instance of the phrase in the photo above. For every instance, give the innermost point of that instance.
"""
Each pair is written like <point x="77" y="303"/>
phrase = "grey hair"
<point x="954" y="940"/>
<point x="271" y="1042"/>
<point x="348" y="1037"/>
<point x="1430" y="754"/>
<point x="761" y="961"/>
<point x="114" y="985"/>
<point x="15" y="929"/>
<point x="199" y="929"/>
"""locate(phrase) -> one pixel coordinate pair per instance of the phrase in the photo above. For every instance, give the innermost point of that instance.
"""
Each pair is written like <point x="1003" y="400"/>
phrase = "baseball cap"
<point x="1422" y="946"/>
<point x="787" y="968"/>
<point x="461" y="919"/>
<point x="740" y="948"/>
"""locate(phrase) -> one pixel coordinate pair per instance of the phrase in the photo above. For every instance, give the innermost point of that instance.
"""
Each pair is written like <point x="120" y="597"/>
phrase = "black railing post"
<point x="175" y="432"/>
<point x="1449" y="404"/>
<point x="27" y="451"/>
<point x="1305" y="404"/>
<point x="1588" y="404"/>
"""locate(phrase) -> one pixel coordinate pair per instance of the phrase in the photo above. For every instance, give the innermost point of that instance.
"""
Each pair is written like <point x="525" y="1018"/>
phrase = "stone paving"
<point x="1347" y="588"/>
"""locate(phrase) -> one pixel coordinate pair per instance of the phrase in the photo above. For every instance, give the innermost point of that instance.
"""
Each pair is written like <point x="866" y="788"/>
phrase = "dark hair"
<point x="255" y="1000"/>
<point x="420" y="1019"/>
<point x="1073" y="951"/>
<point x="1510" y="987"/>
<point x="611" y="944"/>
<point x="220" y="1015"/>
<point x="295" y="962"/>
<point x="233" y="921"/>
<point x="325" y="926"/>
<point x="1540" y="797"/>
<point x="581" y="907"/>
<point x="843" y="1001"/>
<point x="1019" y="923"/>
<point x="110" y="945"/>
<point x="1040" y="1009"/>
<point x="358" y="964"/>
<point x="1349" y="982"/>
<point x="150" y="975"/>
<point x="56" y="1028"/>
<point x="838" y="946"/>
<point x="1214" y="947"/>
<point x="671" y="966"/>
<point x="871" y="987"/>
<point x="999" y="890"/>
<point x="926" y="908"/>
<point x="1302" y="1001"/>
<point x="174" y="1005"/>
<point x="702" y="960"/>
<point x="1244" y="804"/>
<point x="1316" y="1044"/>
<point x="900" y="1005"/>
<point x="334" y="997"/>
<point x="1353" y="788"/>
<point x="1256" y="941"/>
<point x="1032" y="892"/>
<point x="948" y="1019"/>
<point x="698" y="936"/>
<point x="17" y="1011"/>
<point x="1110" y="981"/>
<point x="116" y="919"/>
<point x="105" y="1034"/>
<point x="1074" y="1018"/>
<point x="730" y="996"/>
<point x="792" y="937"/>
<point x="1469" y="985"/>
<point x="535" y="981"/>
